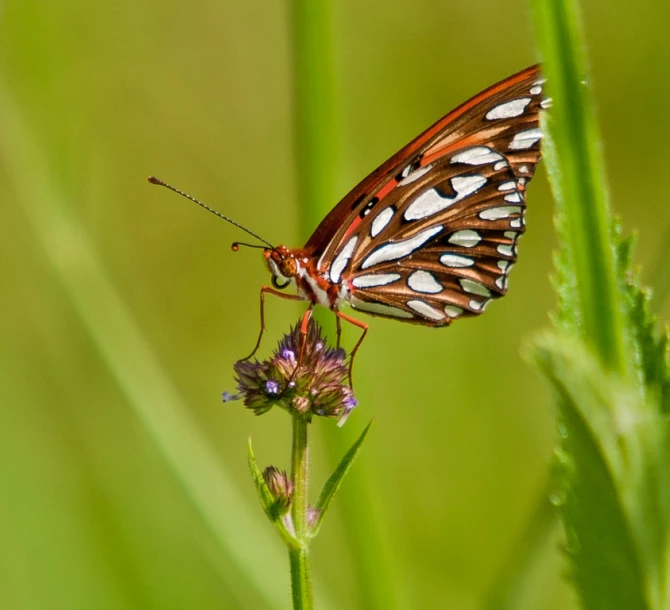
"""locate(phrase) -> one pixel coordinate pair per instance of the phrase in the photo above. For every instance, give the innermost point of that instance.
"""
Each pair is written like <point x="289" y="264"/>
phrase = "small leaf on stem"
<point x="335" y="480"/>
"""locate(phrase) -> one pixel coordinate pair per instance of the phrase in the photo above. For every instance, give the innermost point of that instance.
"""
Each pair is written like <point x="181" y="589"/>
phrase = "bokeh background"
<point x="123" y="478"/>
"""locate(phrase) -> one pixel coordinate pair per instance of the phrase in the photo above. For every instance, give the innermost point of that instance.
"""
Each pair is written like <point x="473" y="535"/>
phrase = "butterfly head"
<point x="284" y="265"/>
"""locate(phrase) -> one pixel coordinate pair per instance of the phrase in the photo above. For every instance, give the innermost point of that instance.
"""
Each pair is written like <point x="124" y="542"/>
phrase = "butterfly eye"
<point x="278" y="285"/>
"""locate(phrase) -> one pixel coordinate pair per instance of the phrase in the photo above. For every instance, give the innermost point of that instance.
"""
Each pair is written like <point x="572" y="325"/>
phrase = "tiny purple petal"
<point x="319" y="346"/>
<point x="272" y="387"/>
<point x="291" y="384"/>
<point x="227" y="396"/>
<point x="288" y="354"/>
<point x="350" y="402"/>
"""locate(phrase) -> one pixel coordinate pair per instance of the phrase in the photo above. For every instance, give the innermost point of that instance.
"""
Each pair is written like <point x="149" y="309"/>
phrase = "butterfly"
<point x="431" y="235"/>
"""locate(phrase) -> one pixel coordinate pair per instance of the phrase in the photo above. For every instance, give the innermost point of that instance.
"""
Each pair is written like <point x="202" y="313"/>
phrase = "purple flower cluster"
<point x="318" y="387"/>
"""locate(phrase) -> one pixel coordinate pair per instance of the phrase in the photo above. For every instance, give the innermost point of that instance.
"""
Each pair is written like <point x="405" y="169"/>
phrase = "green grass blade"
<point x="314" y="106"/>
<point x="132" y="363"/>
<point x="316" y="149"/>
<point x="612" y="382"/>
<point x="577" y="176"/>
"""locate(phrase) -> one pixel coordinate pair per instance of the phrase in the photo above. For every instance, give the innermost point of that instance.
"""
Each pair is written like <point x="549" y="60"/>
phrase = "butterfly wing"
<point x="431" y="235"/>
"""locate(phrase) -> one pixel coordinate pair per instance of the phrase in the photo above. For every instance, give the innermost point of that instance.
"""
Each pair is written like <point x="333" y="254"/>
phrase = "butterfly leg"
<point x="304" y="324"/>
<point x="364" y="327"/>
<point x="339" y="331"/>
<point x="307" y="316"/>
<point x="283" y="295"/>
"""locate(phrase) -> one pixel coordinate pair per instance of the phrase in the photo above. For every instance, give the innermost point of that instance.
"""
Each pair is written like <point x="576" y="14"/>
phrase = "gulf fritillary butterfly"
<point x="431" y="235"/>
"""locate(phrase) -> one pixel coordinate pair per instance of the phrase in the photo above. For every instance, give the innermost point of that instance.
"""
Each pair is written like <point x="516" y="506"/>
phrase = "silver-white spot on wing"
<point x="393" y="251"/>
<point x="509" y="110"/>
<point x="478" y="155"/>
<point x="476" y="305"/>
<point x="409" y="176"/>
<point x="513" y="197"/>
<point x="375" y="279"/>
<point x="452" y="311"/>
<point x="431" y="202"/>
<point x="424" y="281"/>
<point x="341" y="260"/>
<point x="505" y="249"/>
<point x="511" y="235"/>
<point x="546" y="102"/>
<point x="516" y="223"/>
<point x="505" y="266"/>
<point x="525" y="139"/>
<point x="501" y="282"/>
<point x="467" y="238"/>
<point x="536" y="90"/>
<point x="380" y="222"/>
<point x="500" y="212"/>
<point x="507" y="186"/>
<point x="500" y="165"/>
<point x="456" y="260"/>
<point x="426" y="310"/>
<point x="379" y="308"/>
<point x="474" y="287"/>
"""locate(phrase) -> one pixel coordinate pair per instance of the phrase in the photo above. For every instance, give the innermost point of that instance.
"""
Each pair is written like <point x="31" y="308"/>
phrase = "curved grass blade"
<point x="131" y="362"/>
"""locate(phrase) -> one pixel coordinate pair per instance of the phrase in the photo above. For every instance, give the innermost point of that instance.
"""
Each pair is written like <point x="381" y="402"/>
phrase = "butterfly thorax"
<point x="290" y="266"/>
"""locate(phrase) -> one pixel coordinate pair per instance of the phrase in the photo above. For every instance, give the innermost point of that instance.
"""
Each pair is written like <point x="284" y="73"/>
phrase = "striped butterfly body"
<point x="431" y="235"/>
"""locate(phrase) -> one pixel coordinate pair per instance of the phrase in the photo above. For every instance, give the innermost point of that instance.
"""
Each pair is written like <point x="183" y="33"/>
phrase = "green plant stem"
<point x="315" y="126"/>
<point x="301" y="584"/>
<point x="577" y="176"/>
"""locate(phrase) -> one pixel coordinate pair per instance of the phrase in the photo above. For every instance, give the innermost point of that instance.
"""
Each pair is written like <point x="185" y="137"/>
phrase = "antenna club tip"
<point x="235" y="246"/>
<point x="154" y="180"/>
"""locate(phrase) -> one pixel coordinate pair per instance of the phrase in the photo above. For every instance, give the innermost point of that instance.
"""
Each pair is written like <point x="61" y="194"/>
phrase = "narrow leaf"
<point x="615" y="500"/>
<point x="650" y="345"/>
<point x="335" y="480"/>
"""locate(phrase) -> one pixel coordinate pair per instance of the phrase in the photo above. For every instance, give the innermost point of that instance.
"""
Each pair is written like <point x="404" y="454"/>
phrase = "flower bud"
<point x="280" y="486"/>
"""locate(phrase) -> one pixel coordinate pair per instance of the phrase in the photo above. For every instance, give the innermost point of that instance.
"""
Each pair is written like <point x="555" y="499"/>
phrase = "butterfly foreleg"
<point x="264" y="291"/>
<point x="364" y="327"/>
<point x="304" y="325"/>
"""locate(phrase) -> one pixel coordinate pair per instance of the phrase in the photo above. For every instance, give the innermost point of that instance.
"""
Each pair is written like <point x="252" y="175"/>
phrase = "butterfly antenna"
<point x="235" y="246"/>
<point x="159" y="182"/>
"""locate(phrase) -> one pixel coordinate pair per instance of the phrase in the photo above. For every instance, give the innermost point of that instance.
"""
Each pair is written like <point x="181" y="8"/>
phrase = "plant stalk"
<point x="301" y="583"/>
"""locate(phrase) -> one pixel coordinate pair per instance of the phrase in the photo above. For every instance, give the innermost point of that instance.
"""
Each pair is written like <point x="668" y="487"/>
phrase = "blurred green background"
<point x="123" y="479"/>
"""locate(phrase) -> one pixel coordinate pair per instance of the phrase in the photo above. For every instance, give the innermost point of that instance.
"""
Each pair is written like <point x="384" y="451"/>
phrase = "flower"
<point x="317" y="387"/>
